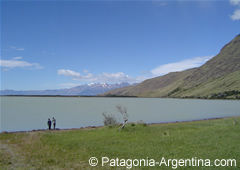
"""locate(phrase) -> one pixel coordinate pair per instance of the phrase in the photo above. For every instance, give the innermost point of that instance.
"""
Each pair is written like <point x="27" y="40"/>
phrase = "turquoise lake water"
<point x="29" y="113"/>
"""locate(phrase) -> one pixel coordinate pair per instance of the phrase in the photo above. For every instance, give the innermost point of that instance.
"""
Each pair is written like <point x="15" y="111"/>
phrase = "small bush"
<point x="141" y="122"/>
<point x="109" y="120"/>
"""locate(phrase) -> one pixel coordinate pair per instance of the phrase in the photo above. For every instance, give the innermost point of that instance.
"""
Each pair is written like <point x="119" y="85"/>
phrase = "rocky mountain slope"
<point x="217" y="78"/>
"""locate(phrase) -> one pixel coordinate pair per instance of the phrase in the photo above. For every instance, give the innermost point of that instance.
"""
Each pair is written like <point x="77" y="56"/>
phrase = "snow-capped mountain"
<point x="91" y="89"/>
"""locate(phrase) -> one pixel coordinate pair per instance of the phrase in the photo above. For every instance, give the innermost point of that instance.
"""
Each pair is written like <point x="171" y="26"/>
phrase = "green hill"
<point x="217" y="78"/>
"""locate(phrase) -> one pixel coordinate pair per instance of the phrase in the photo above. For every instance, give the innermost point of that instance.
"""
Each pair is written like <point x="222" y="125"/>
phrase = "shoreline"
<point x="139" y="97"/>
<point x="97" y="127"/>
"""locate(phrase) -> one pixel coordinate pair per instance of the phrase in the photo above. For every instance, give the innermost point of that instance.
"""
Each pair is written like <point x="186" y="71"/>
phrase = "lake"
<point x="28" y="113"/>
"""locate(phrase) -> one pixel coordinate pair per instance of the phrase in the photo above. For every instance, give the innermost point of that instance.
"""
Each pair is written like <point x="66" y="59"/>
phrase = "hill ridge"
<point x="218" y="75"/>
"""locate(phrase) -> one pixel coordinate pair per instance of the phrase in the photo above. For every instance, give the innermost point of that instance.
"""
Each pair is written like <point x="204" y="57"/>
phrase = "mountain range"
<point x="91" y="89"/>
<point x="217" y="78"/>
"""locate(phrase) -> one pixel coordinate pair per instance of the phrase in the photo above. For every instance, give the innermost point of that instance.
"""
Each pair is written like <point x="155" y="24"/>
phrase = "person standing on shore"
<point x="49" y="124"/>
<point x="54" y="122"/>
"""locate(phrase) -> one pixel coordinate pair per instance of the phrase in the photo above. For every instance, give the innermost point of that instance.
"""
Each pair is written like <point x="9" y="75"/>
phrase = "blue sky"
<point x="61" y="44"/>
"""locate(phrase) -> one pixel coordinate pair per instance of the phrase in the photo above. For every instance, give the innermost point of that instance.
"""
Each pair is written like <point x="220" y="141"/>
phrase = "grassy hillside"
<point x="71" y="149"/>
<point x="218" y="75"/>
<point x="151" y="87"/>
<point x="226" y="62"/>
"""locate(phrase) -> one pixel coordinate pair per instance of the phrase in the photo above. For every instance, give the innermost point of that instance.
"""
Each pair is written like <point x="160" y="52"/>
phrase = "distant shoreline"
<point x="97" y="96"/>
<point x="65" y="96"/>
<point x="96" y="127"/>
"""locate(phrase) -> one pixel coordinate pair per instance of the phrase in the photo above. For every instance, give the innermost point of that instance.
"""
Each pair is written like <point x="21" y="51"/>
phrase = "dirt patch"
<point x="10" y="158"/>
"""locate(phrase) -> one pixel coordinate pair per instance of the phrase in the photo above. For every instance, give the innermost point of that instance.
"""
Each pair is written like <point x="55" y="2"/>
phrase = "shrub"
<point x="141" y="122"/>
<point x="109" y="120"/>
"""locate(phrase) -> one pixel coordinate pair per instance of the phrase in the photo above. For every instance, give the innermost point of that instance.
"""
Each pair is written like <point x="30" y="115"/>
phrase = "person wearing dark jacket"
<point x="49" y="124"/>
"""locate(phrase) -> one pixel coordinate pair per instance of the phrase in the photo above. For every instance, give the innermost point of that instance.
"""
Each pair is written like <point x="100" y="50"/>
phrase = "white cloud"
<point x="116" y="77"/>
<point x="121" y="77"/>
<point x="5" y="69"/>
<point x="14" y="63"/>
<point x="180" y="66"/>
<point x="77" y="76"/>
<point x="85" y="71"/>
<point x="104" y="77"/>
<point x="236" y="15"/>
<point x="234" y="2"/>
<point x="20" y="49"/>
<point x="69" y="73"/>
<point x="69" y="85"/>
<point x="17" y="58"/>
<point x="159" y="3"/>
<point x="16" y="48"/>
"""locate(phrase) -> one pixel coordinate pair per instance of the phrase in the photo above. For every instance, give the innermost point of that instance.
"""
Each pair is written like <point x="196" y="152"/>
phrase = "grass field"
<point x="71" y="149"/>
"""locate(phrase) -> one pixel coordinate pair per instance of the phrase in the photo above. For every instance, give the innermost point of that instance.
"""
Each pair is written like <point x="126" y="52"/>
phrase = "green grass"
<point x="209" y="139"/>
<point x="222" y="84"/>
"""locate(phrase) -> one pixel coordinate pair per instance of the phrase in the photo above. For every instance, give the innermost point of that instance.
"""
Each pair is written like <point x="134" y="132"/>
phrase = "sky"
<point x="62" y="44"/>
